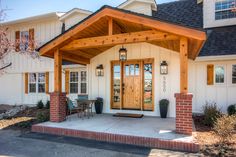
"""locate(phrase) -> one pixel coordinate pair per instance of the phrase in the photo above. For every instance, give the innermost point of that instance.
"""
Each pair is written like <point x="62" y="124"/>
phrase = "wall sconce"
<point x="164" y="68"/>
<point x="99" y="70"/>
<point x="123" y="54"/>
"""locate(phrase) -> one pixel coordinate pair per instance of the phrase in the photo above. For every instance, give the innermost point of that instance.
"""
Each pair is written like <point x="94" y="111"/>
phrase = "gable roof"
<point x="75" y="10"/>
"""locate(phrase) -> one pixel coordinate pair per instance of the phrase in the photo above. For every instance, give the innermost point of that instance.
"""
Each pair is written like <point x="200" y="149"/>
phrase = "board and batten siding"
<point x="100" y="86"/>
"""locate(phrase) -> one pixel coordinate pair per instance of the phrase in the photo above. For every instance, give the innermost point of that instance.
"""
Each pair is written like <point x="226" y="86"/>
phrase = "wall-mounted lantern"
<point x="100" y="70"/>
<point x="164" y="68"/>
<point x="123" y="54"/>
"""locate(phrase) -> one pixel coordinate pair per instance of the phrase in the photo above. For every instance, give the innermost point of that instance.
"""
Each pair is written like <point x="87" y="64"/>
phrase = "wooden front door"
<point x="132" y="82"/>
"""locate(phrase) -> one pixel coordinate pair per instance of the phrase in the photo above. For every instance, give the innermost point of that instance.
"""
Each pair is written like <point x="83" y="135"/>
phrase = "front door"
<point x="132" y="85"/>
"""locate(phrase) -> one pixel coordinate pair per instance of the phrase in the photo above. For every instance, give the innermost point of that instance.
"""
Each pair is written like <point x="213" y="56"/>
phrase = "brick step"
<point x="116" y="138"/>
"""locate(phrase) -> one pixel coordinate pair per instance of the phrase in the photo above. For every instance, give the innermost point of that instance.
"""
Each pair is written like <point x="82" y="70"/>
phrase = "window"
<point x="24" y="40"/>
<point x="148" y="86"/>
<point x="74" y="79"/>
<point x="219" y="74"/>
<point x="83" y="83"/>
<point x="37" y="83"/>
<point x="225" y="9"/>
<point x="234" y="74"/>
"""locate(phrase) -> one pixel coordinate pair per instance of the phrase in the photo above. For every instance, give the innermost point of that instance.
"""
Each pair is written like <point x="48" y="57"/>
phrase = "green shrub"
<point x="48" y="105"/>
<point x="232" y="109"/>
<point x="43" y="117"/>
<point x="26" y="124"/>
<point x="211" y="113"/>
<point x="40" y="104"/>
<point x="224" y="128"/>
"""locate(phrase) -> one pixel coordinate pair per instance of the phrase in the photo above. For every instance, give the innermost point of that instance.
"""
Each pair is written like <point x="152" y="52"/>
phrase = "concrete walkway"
<point x="13" y="143"/>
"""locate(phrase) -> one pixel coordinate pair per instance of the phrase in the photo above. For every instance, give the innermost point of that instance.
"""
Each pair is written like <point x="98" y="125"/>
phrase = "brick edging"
<point x="126" y="139"/>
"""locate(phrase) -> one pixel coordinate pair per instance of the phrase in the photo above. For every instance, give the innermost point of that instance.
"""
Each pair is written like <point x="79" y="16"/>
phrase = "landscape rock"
<point x="12" y="112"/>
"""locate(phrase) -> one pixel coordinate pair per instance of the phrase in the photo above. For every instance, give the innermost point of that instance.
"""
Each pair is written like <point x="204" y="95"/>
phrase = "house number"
<point x="164" y="84"/>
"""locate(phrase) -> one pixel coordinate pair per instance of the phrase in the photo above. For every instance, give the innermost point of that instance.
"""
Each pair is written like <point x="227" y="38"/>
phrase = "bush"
<point x="211" y="113"/>
<point x="232" y="109"/>
<point x="48" y="105"/>
<point x="224" y="128"/>
<point x="43" y="117"/>
<point x="40" y="104"/>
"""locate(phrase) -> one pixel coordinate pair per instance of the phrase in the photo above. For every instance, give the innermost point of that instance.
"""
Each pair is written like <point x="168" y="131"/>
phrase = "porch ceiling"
<point x="109" y="27"/>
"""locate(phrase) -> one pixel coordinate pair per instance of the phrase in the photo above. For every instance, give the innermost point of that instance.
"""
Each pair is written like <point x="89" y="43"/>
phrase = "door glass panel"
<point x="127" y="70"/>
<point x="148" y="86"/>
<point x="136" y="69"/>
<point x="116" y="83"/>
<point x="132" y="69"/>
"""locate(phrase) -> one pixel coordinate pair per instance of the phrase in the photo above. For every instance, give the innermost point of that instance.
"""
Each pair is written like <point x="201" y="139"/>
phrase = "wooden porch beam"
<point x="183" y="65"/>
<point x="75" y="59"/>
<point x="125" y="38"/>
<point x="57" y="71"/>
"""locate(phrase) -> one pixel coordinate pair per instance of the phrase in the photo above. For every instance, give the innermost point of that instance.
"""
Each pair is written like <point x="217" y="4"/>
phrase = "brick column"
<point x="184" y="120"/>
<point x="57" y="107"/>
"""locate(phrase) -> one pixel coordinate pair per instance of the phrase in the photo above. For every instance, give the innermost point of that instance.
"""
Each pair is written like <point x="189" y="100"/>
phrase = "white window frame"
<point x="37" y="83"/>
<point x="225" y="70"/>
<point x="79" y="81"/>
<point x="232" y="74"/>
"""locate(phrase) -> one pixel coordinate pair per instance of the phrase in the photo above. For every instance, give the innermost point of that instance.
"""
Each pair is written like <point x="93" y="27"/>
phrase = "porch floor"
<point x="149" y="127"/>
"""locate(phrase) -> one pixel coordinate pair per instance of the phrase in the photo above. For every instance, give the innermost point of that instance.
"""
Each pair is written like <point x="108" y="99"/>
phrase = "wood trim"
<point x="142" y="62"/>
<point x="183" y="65"/>
<point x="17" y="41"/>
<point x="112" y="40"/>
<point x="67" y="81"/>
<point x="110" y="26"/>
<point x="47" y="82"/>
<point x="153" y="23"/>
<point x="210" y="74"/>
<point x="26" y="83"/>
<point x="57" y="71"/>
<point x="75" y="59"/>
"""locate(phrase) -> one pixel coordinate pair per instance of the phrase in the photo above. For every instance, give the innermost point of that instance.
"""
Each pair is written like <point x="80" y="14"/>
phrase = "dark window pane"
<point x="32" y="87"/>
<point x="74" y="77"/>
<point x="41" y="88"/>
<point x="41" y="77"/>
<point x="83" y="88"/>
<point x="83" y="76"/>
<point x="32" y="77"/>
<point x="116" y="83"/>
<point x="219" y="74"/>
<point x="234" y="74"/>
<point x="74" y="88"/>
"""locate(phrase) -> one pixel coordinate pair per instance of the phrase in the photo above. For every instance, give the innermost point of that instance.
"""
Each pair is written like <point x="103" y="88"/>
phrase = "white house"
<point x="211" y="74"/>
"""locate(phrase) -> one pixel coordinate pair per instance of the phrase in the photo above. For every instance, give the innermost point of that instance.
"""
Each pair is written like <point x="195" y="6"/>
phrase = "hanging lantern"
<point x="164" y="68"/>
<point x="99" y="70"/>
<point x="123" y="54"/>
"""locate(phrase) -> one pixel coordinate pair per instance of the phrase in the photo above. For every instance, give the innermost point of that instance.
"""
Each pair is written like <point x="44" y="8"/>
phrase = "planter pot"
<point x="99" y="105"/>
<point x="164" y="108"/>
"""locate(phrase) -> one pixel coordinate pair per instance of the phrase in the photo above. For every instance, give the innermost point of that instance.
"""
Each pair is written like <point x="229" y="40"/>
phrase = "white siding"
<point x="74" y="19"/>
<point x="209" y="16"/>
<point x="139" y="7"/>
<point x="100" y="86"/>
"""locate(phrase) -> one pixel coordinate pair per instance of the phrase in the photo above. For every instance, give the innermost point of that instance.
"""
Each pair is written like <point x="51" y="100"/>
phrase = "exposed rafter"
<point x="75" y="59"/>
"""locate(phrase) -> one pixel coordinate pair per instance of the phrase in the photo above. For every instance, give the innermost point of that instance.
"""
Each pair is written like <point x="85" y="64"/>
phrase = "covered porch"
<point x="100" y="32"/>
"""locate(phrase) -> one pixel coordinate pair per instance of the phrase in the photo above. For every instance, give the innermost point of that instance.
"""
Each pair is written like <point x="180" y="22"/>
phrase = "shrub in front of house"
<point x="47" y="105"/>
<point x="40" y="104"/>
<point x="211" y="113"/>
<point x="232" y="109"/>
<point x="43" y="117"/>
<point x="224" y="128"/>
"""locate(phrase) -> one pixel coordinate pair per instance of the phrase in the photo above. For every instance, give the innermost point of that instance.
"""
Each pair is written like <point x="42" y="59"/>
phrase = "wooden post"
<point x="183" y="65"/>
<point x="57" y="71"/>
<point x="110" y="26"/>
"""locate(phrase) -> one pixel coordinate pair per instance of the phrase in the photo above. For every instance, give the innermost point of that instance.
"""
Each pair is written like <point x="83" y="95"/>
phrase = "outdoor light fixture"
<point x="100" y="70"/>
<point x="164" y="68"/>
<point x="123" y="54"/>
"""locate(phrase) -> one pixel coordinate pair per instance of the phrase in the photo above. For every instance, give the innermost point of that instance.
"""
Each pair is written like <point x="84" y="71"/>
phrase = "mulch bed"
<point x="210" y="143"/>
<point x="23" y="120"/>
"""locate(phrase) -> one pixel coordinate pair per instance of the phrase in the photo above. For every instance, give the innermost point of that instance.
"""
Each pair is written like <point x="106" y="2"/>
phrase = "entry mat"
<point x="129" y="115"/>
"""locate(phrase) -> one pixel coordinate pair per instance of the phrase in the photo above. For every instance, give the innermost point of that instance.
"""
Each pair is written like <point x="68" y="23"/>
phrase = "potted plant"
<point x="99" y="105"/>
<point x="164" y="103"/>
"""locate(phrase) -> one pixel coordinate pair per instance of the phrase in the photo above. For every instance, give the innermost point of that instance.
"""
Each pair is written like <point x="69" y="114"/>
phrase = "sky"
<point x="18" y="9"/>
